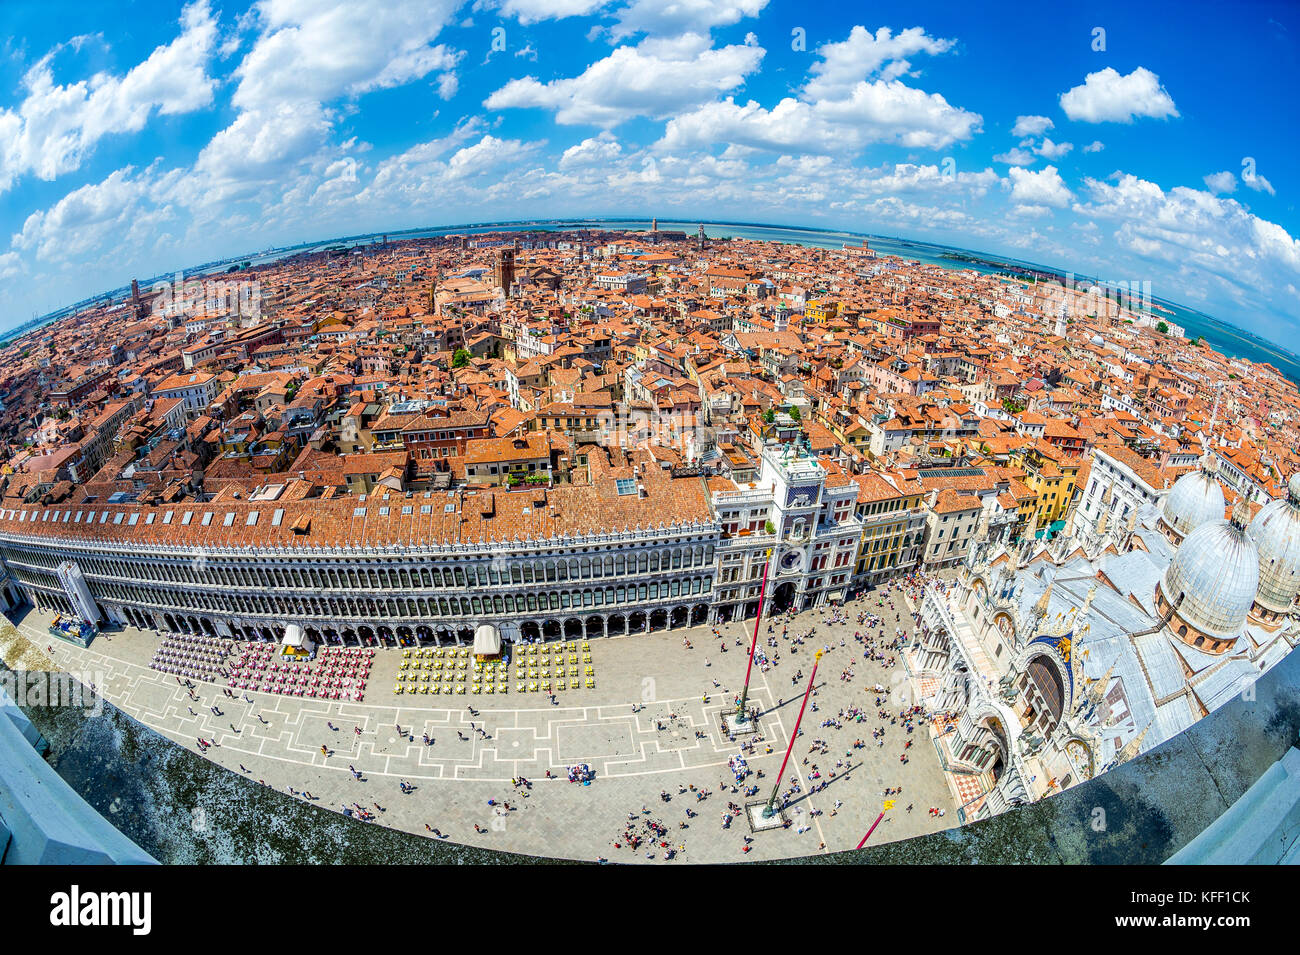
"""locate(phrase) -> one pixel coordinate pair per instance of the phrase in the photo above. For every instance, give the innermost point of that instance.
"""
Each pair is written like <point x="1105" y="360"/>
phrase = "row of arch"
<point x="404" y="606"/>
<point x="379" y="634"/>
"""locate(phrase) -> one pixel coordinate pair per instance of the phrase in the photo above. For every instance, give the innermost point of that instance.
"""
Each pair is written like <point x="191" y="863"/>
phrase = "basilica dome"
<point x="1275" y="531"/>
<point x="1216" y="570"/>
<point x="1195" y="499"/>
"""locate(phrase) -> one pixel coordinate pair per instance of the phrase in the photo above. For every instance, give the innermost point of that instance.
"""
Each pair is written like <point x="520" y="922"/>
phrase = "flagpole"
<point x="767" y="810"/>
<point x="888" y="806"/>
<point x="753" y="646"/>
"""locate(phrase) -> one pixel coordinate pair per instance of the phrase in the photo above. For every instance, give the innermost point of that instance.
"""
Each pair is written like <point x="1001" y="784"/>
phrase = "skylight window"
<point x="625" y="486"/>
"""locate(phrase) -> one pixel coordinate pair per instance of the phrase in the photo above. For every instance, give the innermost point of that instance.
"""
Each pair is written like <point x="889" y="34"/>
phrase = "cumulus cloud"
<point x="656" y="78"/>
<point x="1257" y="182"/>
<point x="880" y="112"/>
<point x="315" y="52"/>
<point x="843" y="65"/>
<point x="674" y="17"/>
<point x="1031" y="126"/>
<point x="1050" y="150"/>
<point x="1042" y="188"/>
<point x="1016" y="156"/>
<point x="1221" y="182"/>
<point x="528" y="12"/>
<point x="1211" y="245"/>
<point x="1108" y="96"/>
<point x="90" y="219"/>
<point x="598" y="149"/>
<point x="1095" y="146"/>
<point x="55" y="127"/>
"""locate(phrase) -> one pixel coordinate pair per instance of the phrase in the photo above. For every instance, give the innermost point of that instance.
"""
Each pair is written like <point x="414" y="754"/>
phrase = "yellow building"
<point x="819" y="312"/>
<point x="893" y="525"/>
<point x="1051" y="475"/>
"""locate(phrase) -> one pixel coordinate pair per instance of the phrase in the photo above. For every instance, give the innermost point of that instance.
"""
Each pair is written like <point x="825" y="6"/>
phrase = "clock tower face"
<point x="791" y="560"/>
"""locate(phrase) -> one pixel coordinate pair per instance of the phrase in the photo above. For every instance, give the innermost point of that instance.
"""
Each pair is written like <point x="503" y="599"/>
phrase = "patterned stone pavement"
<point x="635" y="756"/>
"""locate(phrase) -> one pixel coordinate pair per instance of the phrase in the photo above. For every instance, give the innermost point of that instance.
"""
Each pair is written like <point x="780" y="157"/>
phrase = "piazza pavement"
<point x="651" y="725"/>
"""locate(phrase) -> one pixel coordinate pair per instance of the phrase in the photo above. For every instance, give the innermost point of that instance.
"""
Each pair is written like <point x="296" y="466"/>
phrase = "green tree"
<point x="460" y="358"/>
<point x="794" y="412"/>
<point x="1162" y="328"/>
<point x="769" y="415"/>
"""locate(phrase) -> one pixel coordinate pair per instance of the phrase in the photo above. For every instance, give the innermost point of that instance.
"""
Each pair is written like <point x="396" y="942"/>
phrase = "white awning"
<point x="293" y="636"/>
<point x="487" y="640"/>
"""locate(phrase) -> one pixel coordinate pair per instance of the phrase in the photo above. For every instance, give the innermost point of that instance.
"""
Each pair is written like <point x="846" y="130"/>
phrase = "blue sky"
<point x="1131" y="141"/>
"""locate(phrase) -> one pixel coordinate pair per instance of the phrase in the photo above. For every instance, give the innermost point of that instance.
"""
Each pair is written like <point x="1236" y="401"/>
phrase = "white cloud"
<point x="1258" y="183"/>
<point x="55" y="127"/>
<point x="1095" y="146"/>
<point x="1221" y="182"/>
<point x="1042" y="188"/>
<point x="1050" y="150"/>
<point x="655" y="78"/>
<point x="317" y="51"/>
<point x="488" y="154"/>
<point x="11" y="265"/>
<point x="673" y="17"/>
<point x="598" y="149"/>
<point x="1211" y="246"/>
<point x="92" y="219"/>
<point x="879" y="112"/>
<point x="843" y="65"/>
<point x="528" y="12"/>
<point x="1031" y="126"/>
<point x="1016" y="157"/>
<point x="1109" y="96"/>
<point x="261" y="144"/>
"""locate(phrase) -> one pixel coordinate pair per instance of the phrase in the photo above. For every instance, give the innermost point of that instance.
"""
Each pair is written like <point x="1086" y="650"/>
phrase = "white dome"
<point x="1216" y="569"/>
<point x="1195" y="499"/>
<point x="1275" y="532"/>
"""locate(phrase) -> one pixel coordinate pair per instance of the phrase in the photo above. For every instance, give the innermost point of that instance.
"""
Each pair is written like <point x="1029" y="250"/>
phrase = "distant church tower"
<point x="654" y="225"/>
<point x="503" y="275"/>
<point x="699" y="237"/>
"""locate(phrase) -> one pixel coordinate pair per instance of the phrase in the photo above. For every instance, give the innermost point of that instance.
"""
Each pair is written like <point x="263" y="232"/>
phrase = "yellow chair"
<point x="585" y="645"/>
<point x="448" y="688"/>
<point x="424" y="689"/>
<point x="398" y="688"/>
<point x="586" y="658"/>
<point x="532" y="687"/>
<point x="435" y="689"/>
<point x="489" y="687"/>
<point x="546" y="686"/>
<point x="591" y="683"/>
<point x="590" y="671"/>
<point x="503" y="688"/>
<point x="406" y="653"/>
